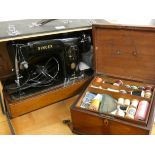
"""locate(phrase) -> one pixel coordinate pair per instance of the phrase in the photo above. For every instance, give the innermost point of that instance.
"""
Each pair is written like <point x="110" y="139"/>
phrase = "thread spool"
<point x="147" y="94"/>
<point x="142" y="93"/>
<point x="134" y="103"/>
<point x="118" y="83"/>
<point x="131" y="111"/>
<point x="97" y="82"/>
<point x="142" y="110"/>
<point x="120" y="113"/>
<point x="149" y="88"/>
<point x="121" y="101"/>
<point x="141" y="88"/>
<point x="137" y="93"/>
<point x="126" y="102"/>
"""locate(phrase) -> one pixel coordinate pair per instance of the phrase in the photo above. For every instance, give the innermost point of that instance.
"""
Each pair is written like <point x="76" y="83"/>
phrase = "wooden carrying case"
<point x="120" y="53"/>
<point x="40" y="99"/>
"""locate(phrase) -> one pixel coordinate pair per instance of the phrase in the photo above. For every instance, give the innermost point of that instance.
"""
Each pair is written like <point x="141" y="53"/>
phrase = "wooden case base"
<point x="17" y="108"/>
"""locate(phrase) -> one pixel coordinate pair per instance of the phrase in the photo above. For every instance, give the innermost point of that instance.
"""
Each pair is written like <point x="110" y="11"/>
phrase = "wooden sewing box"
<point x="124" y="53"/>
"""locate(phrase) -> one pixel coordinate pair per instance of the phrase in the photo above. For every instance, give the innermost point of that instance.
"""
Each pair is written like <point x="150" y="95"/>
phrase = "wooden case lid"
<point x="125" y="51"/>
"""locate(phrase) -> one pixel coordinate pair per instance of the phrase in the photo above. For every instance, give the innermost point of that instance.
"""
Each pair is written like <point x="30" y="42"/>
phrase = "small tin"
<point x="118" y="83"/>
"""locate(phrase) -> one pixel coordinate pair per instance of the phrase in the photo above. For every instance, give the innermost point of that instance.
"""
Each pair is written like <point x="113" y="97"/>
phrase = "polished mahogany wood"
<point x="124" y="51"/>
<point x="121" y="52"/>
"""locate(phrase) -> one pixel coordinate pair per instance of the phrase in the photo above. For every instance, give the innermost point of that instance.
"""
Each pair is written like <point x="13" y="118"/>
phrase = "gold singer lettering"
<point x="45" y="47"/>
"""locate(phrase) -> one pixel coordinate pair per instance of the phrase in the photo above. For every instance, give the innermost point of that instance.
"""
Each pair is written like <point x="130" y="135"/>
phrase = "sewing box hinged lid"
<point x="125" y="51"/>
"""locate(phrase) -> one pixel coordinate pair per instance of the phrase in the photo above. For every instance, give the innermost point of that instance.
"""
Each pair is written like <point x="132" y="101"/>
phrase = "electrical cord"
<point x="42" y="77"/>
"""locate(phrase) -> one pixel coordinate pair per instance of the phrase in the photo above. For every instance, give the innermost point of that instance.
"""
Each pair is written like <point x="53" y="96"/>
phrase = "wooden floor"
<point x="44" y="121"/>
<point x="48" y="120"/>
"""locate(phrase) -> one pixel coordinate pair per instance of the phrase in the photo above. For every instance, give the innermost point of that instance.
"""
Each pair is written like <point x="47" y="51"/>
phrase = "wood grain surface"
<point x="128" y="52"/>
<point x="48" y="120"/>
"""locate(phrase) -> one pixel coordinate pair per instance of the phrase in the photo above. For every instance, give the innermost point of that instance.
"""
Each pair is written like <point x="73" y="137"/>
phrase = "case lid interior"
<point x="125" y="51"/>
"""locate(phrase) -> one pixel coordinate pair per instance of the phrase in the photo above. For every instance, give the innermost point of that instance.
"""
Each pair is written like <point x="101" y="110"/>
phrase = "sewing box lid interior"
<point x="125" y="51"/>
